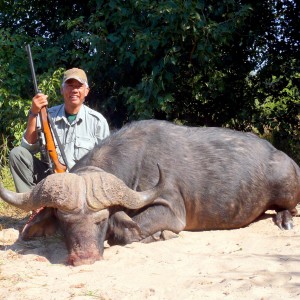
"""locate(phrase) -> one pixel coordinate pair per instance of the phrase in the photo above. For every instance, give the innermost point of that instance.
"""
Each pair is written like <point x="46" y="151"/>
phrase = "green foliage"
<point x="185" y="61"/>
<point x="5" y="175"/>
<point x="6" y="178"/>
<point x="4" y="150"/>
<point x="277" y="111"/>
<point x="277" y="108"/>
<point x="170" y="54"/>
<point x="14" y="109"/>
<point x="50" y="85"/>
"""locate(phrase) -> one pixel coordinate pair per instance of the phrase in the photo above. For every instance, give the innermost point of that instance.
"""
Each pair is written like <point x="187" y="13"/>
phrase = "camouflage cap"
<point x="77" y="74"/>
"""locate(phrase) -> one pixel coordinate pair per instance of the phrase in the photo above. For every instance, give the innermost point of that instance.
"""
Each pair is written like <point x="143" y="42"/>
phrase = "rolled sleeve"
<point x="32" y="148"/>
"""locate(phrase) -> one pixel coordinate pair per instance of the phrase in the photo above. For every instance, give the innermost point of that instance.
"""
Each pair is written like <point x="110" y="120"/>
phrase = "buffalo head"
<point x="81" y="204"/>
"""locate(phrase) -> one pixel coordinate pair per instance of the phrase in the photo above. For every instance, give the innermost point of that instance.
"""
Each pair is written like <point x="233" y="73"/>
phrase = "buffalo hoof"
<point x="284" y="220"/>
<point x="160" y="236"/>
<point x="167" y="235"/>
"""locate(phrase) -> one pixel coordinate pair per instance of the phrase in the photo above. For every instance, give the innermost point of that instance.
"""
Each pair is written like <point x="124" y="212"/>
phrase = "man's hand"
<point x="38" y="101"/>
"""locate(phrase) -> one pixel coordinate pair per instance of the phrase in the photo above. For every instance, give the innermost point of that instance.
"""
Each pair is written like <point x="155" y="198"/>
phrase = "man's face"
<point x="74" y="93"/>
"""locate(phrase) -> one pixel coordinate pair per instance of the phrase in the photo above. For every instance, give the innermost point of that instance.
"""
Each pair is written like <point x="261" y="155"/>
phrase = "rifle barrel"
<point x="48" y="127"/>
<point x="28" y="49"/>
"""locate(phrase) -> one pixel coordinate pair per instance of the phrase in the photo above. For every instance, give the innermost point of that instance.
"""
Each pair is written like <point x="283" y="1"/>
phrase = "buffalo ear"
<point x="42" y="223"/>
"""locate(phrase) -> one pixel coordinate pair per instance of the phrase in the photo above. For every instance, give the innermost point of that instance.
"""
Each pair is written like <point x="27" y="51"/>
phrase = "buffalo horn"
<point x="105" y="190"/>
<point x="65" y="191"/>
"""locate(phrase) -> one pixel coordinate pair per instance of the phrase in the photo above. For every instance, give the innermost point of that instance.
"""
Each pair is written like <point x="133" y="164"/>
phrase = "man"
<point x="79" y="129"/>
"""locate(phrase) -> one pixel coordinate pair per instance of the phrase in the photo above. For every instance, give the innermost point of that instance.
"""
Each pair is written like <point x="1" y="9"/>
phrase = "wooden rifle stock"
<point x="50" y="145"/>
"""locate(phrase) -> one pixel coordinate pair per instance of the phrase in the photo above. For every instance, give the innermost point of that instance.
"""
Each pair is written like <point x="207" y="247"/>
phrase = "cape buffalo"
<point x="211" y="178"/>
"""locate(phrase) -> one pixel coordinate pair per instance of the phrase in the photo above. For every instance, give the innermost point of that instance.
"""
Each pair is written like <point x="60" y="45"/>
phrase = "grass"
<point x="5" y="175"/>
<point x="9" y="215"/>
<point x="7" y="181"/>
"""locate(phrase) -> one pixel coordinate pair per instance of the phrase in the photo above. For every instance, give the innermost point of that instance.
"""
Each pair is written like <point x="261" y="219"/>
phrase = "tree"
<point x="186" y="61"/>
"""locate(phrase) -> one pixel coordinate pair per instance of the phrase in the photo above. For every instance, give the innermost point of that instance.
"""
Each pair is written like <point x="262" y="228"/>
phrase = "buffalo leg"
<point x="150" y="224"/>
<point x="284" y="219"/>
<point x="121" y="225"/>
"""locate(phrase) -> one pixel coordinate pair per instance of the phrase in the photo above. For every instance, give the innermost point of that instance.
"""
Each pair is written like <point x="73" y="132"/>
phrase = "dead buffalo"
<point x="211" y="178"/>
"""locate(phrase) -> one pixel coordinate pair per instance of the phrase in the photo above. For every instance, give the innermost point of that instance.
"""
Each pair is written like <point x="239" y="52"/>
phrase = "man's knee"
<point x="22" y="168"/>
<point x="16" y="153"/>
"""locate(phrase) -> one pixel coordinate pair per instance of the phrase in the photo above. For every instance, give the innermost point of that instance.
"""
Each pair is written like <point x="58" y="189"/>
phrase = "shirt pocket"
<point x="82" y="146"/>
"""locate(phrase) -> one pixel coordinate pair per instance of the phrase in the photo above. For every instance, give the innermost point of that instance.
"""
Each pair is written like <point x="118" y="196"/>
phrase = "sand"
<point x="259" y="261"/>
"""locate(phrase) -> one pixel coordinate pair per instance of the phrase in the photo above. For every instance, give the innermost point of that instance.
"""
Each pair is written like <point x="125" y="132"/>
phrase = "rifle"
<point x="45" y="131"/>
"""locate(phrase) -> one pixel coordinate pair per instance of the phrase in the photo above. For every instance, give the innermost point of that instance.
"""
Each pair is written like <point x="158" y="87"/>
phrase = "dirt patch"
<point x="257" y="262"/>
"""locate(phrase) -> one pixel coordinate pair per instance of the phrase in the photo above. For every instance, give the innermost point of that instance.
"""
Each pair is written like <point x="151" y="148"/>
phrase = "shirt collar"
<point x="62" y="116"/>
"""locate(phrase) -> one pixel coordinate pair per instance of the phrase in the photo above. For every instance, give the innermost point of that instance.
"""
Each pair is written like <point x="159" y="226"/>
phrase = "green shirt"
<point x="70" y="117"/>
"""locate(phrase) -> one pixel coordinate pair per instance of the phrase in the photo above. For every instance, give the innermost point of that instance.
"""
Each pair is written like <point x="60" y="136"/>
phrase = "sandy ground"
<point x="257" y="262"/>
